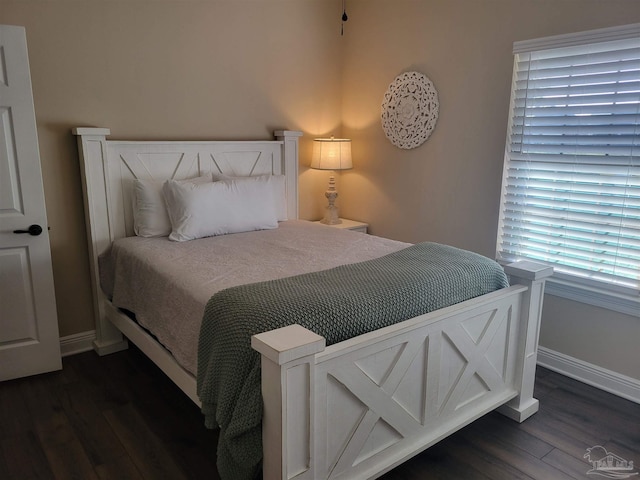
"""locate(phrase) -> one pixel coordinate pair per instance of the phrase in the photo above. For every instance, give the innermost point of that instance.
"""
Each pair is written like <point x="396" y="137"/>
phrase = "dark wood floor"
<point x="118" y="417"/>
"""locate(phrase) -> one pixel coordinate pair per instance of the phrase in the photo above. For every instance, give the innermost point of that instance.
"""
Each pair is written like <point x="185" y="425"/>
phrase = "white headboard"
<point x="109" y="168"/>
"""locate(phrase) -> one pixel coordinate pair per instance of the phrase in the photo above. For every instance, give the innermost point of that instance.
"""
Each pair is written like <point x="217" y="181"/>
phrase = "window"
<point x="571" y="187"/>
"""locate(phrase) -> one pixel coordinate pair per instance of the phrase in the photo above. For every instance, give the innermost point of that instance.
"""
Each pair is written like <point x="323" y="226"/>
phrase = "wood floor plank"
<point x="512" y="454"/>
<point x="24" y="457"/>
<point x="587" y="415"/>
<point x="611" y="402"/>
<point x="102" y="377"/>
<point x="559" y="434"/>
<point x="512" y="433"/>
<point x="568" y="464"/>
<point x="631" y="453"/>
<point x="40" y="398"/>
<point x="4" y="467"/>
<point x="184" y="435"/>
<point x="544" y="383"/>
<point x="436" y="463"/>
<point x="198" y="455"/>
<point x="98" y="439"/>
<point x="14" y="414"/>
<point x="121" y="468"/>
<point x="147" y="452"/>
<point x="64" y="452"/>
<point x="465" y="451"/>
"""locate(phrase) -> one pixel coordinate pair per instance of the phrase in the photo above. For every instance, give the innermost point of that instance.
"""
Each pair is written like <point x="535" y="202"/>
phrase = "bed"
<point x="353" y="409"/>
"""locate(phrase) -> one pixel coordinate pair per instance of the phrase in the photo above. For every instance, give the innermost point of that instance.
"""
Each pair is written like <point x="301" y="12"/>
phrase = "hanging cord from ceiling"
<point x="344" y="17"/>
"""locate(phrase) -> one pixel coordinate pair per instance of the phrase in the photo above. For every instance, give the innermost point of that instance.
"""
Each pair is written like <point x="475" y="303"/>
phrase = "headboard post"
<point x="290" y="141"/>
<point x="92" y="149"/>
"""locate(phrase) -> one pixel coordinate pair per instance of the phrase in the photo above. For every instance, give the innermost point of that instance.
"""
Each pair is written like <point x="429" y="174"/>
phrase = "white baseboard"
<point x="607" y="380"/>
<point x="77" y="343"/>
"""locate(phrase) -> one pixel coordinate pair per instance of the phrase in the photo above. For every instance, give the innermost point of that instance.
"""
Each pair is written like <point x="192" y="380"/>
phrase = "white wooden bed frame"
<point x="351" y="410"/>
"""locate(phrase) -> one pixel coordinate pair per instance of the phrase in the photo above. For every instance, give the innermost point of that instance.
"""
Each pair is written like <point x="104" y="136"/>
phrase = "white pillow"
<point x="277" y="183"/>
<point x="150" y="217"/>
<point x="218" y="208"/>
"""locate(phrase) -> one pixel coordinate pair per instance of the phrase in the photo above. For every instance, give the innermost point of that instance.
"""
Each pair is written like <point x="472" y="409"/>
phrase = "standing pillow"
<point x="277" y="183"/>
<point x="218" y="208"/>
<point x="150" y="218"/>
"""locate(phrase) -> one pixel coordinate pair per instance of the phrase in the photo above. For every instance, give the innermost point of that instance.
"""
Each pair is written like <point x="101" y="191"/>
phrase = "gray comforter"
<point x="338" y="304"/>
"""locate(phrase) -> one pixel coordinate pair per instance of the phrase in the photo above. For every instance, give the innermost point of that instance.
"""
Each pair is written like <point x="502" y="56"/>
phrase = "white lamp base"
<point x="331" y="216"/>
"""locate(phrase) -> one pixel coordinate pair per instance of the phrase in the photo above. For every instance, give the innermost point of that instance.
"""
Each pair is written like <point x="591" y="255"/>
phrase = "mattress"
<point x="167" y="284"/>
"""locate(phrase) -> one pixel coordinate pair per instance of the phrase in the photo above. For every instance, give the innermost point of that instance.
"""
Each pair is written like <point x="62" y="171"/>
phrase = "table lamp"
<point x="331" y="154"/>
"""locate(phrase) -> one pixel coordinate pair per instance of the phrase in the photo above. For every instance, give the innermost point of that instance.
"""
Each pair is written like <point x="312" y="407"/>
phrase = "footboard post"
<point x="288" y="365"/>
<point x="533" y="275"/>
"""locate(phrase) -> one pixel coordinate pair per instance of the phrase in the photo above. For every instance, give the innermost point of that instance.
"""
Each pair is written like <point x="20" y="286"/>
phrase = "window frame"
<point x="612" y="297"/>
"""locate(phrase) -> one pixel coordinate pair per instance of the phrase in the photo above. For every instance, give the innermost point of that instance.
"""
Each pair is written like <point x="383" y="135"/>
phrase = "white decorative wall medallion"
<point x="410" y="110"/>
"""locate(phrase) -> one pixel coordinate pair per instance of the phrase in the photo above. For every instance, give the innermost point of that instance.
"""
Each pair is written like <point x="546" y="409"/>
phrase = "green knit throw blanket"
<point x="338" y="303"/>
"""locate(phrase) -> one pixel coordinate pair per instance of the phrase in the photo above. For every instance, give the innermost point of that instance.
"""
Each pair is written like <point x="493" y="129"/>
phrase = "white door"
<point x="29" y="341"/>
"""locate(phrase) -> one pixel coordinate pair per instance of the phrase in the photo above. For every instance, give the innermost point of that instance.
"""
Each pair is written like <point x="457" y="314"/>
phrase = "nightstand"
<point x="350" y="225"/>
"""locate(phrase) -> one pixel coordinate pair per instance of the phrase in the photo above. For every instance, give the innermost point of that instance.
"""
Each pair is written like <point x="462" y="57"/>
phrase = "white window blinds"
<point x="571" y="188"/>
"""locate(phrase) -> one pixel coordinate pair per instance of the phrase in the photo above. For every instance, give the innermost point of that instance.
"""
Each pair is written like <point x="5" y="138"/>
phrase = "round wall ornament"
<point x="410" y="110"/>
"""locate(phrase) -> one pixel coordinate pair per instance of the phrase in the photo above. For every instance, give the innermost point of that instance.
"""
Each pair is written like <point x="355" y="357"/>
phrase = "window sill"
<point x="617" y="301"/>
<point x="622" y="299"/>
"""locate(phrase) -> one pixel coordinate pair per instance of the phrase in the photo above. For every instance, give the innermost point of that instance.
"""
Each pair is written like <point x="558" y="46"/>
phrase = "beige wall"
<point x="448" y="189"/>
<point x="181" y="69"/>
<point x="600" y="336"/>
<point x="201" y="69"/>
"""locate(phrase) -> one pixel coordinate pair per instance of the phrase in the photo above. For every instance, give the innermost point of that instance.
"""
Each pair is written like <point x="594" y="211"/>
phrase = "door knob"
<point x="34" y="230"/>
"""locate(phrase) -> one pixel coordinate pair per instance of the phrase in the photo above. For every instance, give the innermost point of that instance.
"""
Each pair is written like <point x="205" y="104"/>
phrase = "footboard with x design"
<point x="358" y="408"/>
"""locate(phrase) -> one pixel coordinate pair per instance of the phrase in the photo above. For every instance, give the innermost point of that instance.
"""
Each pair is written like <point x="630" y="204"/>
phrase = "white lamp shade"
<point x="331" y="154"/>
